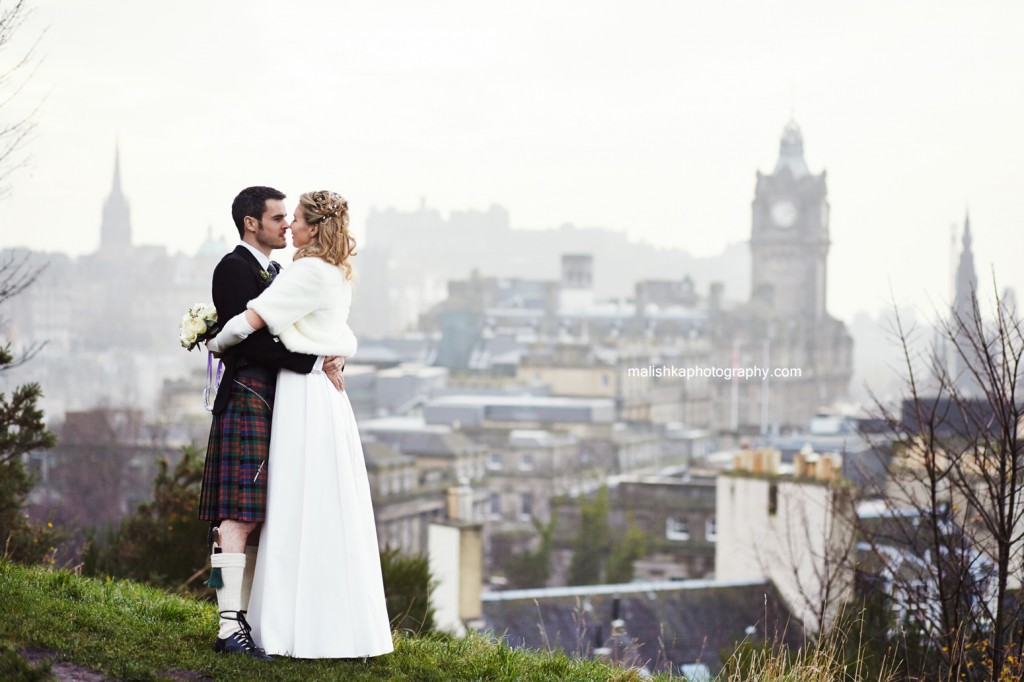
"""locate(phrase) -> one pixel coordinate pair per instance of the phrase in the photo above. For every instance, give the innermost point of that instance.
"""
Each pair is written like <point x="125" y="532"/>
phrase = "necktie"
<point x="274" y="268"/>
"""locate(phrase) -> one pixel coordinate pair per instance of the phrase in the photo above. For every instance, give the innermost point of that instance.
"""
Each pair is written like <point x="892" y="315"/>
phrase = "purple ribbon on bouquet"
<point x="212" y="382"/>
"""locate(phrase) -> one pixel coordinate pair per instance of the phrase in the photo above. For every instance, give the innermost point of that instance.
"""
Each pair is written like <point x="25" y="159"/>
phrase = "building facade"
<point x="794" y="529"/>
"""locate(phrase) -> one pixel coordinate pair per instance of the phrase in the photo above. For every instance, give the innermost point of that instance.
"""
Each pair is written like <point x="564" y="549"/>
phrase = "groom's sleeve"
<point x="234" y="285"/>
<point x="263" y="349"/>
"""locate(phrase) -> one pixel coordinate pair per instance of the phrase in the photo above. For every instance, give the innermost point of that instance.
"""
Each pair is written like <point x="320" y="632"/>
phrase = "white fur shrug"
<point x="307" y="308"/>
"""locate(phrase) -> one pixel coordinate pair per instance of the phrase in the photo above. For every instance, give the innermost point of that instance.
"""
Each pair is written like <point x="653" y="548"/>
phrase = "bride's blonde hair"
<point x="333" y="242"/>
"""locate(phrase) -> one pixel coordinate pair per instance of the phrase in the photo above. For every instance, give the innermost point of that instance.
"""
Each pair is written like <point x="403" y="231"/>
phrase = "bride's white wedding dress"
<point x="317" y="591"/>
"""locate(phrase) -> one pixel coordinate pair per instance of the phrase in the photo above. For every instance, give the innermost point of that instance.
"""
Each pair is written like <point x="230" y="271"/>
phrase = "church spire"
<point x="964" y="306"/>
<point x="966" y="279"/>
<point x="116" y="229"/>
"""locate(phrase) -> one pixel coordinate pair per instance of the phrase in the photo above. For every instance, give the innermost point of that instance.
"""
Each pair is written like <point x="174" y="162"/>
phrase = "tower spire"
<point x="791" y="151"/>
<point x="965" y="306"/>
<point x="966" y="280"/>
<point x="116" y="188"/>
<point x="116" y="229"/>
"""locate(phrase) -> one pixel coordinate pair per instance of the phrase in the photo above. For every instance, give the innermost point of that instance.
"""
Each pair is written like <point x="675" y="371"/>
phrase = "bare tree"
<point x="14" y="133"/>
<point x="832" y="564"/>
<point x="22" y="429"/>
<point x="950" y="541"/>
<point x="17" y="271"/>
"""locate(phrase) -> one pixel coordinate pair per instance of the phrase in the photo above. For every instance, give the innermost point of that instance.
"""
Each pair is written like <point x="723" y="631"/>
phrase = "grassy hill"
<point x="132" y="632"/>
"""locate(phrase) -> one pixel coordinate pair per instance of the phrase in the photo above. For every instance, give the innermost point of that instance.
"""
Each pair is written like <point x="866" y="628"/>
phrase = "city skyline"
<point x="652" y="122"/>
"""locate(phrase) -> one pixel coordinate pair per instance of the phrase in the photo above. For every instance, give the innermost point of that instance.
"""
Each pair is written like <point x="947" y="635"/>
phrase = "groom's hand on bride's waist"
<point x="333" y="367"/>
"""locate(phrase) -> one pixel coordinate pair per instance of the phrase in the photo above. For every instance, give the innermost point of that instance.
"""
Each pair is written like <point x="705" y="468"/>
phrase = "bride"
<point x="317" y="591"/>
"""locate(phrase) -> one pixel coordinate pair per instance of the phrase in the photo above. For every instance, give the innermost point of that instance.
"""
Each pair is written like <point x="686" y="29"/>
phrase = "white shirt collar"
<point x="263" y="260"/>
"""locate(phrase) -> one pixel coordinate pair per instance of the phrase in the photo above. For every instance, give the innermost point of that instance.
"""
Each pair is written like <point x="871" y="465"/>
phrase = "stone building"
<point x="794" y="528"/>
<point x="402" y="508"/>
<point x="524" y="475"/>
<point x="675" y="513"/>
<point x="617" y="369"/>
<point x="678" y="516"/>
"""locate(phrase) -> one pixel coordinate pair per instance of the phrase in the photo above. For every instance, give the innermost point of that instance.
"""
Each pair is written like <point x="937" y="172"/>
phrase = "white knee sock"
<point x="229" y="597"/>
<point x="250" y="569"/>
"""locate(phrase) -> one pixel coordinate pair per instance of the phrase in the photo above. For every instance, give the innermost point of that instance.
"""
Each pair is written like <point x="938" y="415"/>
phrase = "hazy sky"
<point x="647" y="117"/>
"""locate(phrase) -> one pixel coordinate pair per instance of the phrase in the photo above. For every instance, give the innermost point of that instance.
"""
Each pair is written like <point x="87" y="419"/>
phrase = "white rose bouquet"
<point x="198" y="324"/>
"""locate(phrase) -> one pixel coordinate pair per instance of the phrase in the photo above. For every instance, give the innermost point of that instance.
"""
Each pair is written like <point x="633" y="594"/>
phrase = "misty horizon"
<point x="652" y="122"/>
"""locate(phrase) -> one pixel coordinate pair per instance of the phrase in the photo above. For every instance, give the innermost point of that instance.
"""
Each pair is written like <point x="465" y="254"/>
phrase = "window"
<point x="677" y="529"/>
<point x="392" y="534"/>
<point x="525" y="506"/>
<point x="495" y="510"/>
<point x="526" y="461"/>
<point x="917" y="595"/>
<point x="710" y="530"/>
<point x="495" y="461"/>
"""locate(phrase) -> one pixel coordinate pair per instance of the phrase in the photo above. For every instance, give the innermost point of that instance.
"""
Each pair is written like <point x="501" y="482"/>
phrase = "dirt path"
<point x="72" y="672"/>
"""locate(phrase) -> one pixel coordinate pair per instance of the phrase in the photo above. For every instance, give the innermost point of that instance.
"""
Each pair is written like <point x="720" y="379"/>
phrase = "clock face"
<point x="783" y="213"/>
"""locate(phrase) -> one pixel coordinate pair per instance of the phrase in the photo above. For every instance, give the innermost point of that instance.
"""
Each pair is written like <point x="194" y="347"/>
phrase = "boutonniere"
<point x="264" y="275"/>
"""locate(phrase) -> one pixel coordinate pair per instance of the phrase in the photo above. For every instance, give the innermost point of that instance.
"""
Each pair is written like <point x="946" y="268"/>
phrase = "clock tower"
<point x="785" y="324"/>
<point x="789" y="237"/>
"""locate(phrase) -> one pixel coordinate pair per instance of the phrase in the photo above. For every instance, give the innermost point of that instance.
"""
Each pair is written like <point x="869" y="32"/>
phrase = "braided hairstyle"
<point x="332" y="242"/>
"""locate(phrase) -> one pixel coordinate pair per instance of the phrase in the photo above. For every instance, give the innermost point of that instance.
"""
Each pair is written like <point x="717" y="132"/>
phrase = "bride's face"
<point x="302" y="234"/>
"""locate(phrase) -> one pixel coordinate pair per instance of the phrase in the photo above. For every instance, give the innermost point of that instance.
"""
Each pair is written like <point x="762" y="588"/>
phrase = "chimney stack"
<point x="455" y="551"/>
<point x="460" y="502"/>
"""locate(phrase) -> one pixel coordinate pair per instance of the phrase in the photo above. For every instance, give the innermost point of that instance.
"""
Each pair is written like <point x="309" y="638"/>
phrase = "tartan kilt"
<point x="237" y="456"/>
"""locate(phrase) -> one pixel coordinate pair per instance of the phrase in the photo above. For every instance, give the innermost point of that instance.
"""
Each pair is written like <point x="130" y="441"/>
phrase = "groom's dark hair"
<point x="252" y="202"/>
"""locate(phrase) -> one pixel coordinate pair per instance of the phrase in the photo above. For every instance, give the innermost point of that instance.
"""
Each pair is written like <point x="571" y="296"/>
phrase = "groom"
<point x="234" y="492"/>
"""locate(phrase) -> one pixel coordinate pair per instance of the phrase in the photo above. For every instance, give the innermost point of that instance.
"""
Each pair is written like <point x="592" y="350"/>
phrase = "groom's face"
<point x="271" y="228"/>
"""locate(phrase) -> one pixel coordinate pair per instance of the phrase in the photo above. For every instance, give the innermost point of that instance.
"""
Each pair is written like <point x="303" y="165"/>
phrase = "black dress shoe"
<point x="240" y="642"/>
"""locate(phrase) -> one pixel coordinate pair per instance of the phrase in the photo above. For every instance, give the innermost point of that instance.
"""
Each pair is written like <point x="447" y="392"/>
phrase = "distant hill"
<point x="413" y="254"/>
<point x="485" y="240"/>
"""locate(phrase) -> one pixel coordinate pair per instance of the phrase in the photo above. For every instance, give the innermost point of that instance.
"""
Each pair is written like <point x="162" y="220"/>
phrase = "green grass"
<point x="134" y="632"/>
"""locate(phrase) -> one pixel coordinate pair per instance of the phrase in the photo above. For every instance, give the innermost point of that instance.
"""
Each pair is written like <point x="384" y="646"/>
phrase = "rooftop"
<point x="519" y="401"/>
<point x="667" y="624"/>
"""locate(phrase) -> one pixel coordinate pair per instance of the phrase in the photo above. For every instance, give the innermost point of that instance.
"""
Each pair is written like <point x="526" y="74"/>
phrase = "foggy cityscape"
<point x="652" y="261"/>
